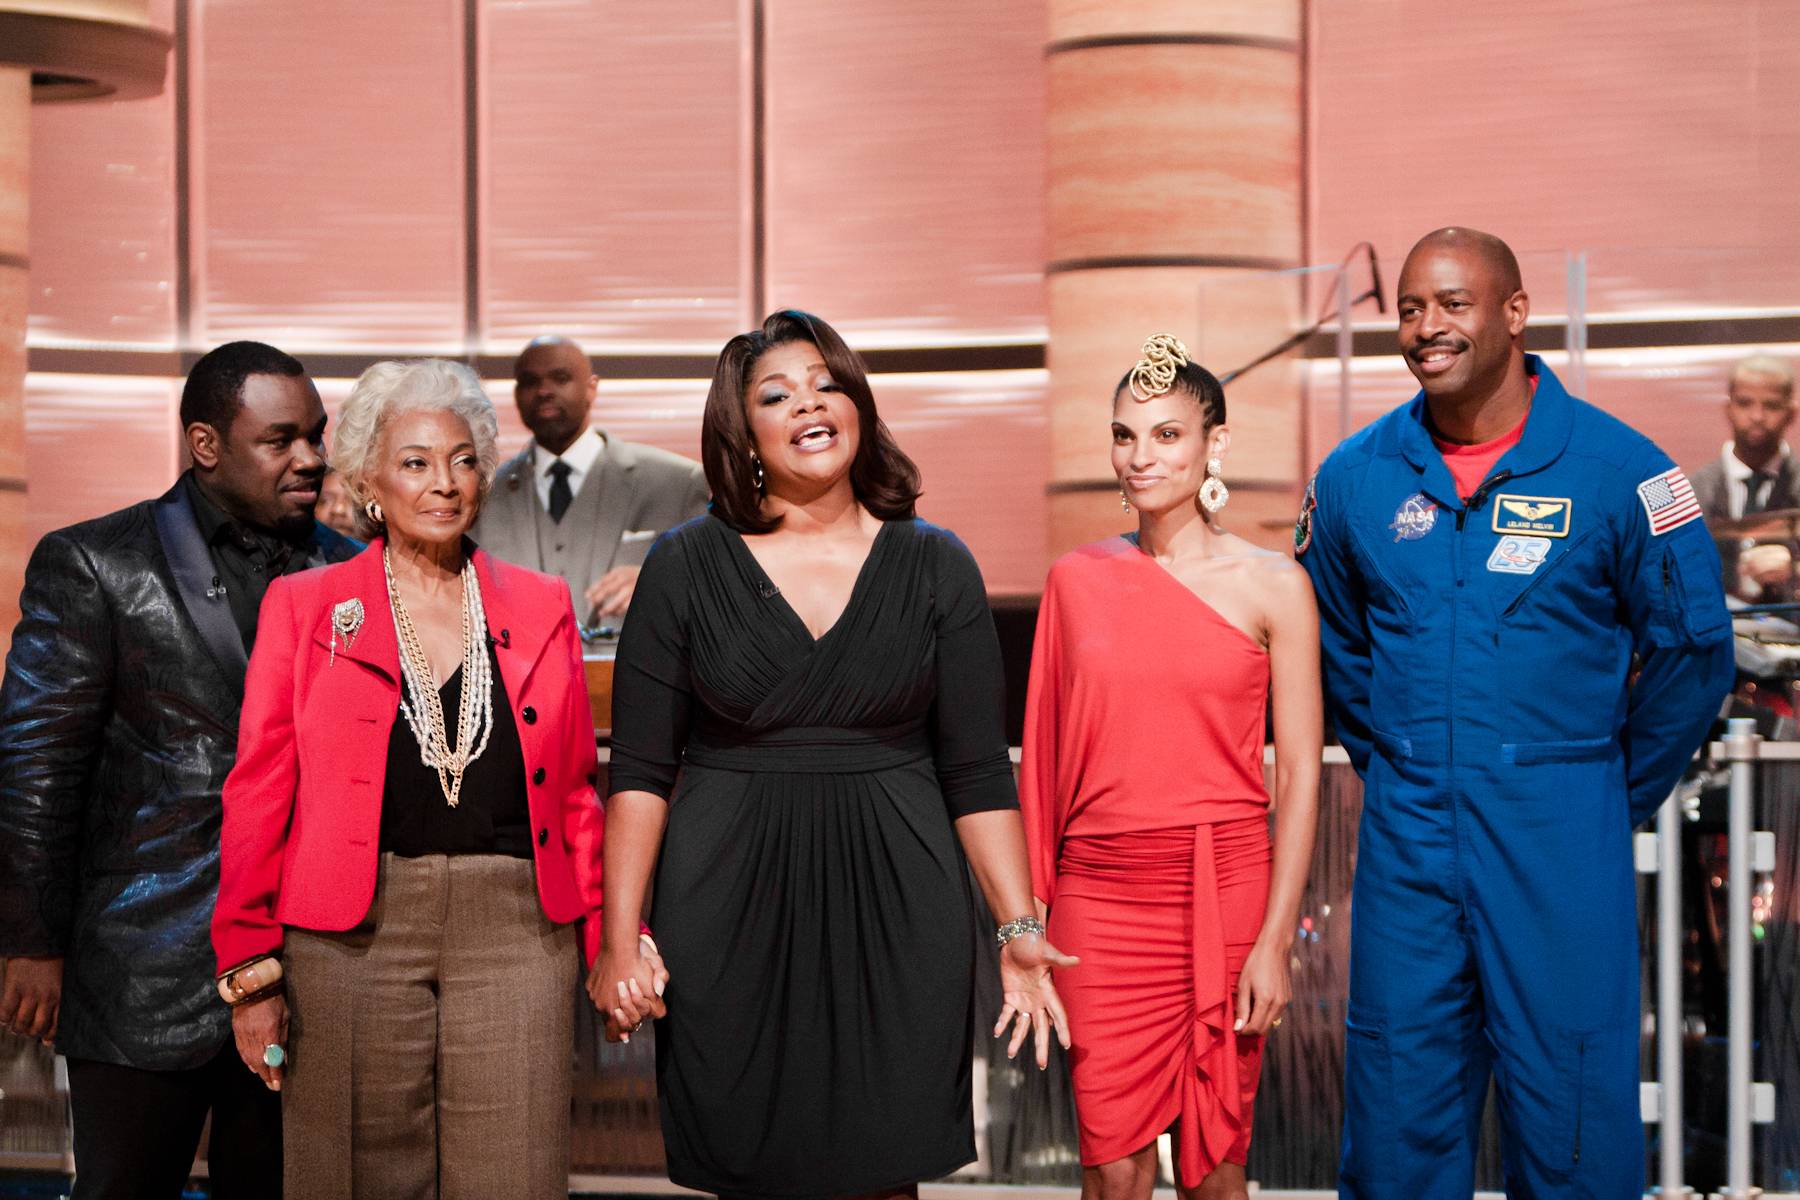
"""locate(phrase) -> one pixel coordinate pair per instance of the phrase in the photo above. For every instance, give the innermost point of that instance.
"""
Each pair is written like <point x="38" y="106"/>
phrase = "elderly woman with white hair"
<point x="411" y="830"/>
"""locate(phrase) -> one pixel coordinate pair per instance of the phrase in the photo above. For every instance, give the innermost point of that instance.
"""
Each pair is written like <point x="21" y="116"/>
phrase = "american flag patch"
<point x="1668" y="500"/>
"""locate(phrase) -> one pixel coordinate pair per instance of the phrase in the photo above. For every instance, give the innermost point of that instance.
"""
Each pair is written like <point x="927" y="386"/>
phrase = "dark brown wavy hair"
<point x="882" y="477"/>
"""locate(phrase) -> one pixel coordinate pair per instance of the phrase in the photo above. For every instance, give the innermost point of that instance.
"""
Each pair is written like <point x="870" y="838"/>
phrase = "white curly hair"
<point x="389" y="388"/>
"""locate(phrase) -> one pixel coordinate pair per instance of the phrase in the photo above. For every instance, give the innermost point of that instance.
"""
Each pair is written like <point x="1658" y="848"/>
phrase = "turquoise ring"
<point x="274" y="1055"/>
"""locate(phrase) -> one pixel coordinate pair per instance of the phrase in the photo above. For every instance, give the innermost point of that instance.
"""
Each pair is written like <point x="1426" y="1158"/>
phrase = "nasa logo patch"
<point x="1414" y="518"/>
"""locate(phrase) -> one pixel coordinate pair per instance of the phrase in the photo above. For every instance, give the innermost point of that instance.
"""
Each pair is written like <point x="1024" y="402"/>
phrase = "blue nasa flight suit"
<point x="1478" y="663"/>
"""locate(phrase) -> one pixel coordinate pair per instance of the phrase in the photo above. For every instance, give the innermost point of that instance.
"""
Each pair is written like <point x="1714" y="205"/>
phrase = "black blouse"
<point x="490" y="816"/>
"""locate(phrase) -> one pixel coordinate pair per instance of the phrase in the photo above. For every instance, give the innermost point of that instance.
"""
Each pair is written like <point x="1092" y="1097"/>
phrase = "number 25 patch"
<point x="1515" y="555"/>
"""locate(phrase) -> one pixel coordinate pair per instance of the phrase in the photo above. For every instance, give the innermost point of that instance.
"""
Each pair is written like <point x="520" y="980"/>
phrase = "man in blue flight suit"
<point x="1524" y="640"/>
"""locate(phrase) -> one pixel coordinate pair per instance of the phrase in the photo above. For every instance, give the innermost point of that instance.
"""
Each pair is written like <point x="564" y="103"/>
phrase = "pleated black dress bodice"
<point x="811" y="900"/>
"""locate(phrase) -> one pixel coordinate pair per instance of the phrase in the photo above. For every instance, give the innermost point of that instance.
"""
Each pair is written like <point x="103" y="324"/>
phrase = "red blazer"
<point x="303" y="804"/>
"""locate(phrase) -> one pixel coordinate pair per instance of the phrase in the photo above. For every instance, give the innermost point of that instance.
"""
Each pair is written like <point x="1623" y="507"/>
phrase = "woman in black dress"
<point x="820" y="669"/>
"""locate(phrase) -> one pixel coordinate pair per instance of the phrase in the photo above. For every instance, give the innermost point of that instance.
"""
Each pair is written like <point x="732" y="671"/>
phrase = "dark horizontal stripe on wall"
<point x="18" y="262"/>
<point x="101" y="360"/>
<point x="1070" y="487"/>
<point x="1115" y="262"/>
<point x="10" y="484"/>
<point x="1609" y="335"/>
<point x="1107" y="42"/>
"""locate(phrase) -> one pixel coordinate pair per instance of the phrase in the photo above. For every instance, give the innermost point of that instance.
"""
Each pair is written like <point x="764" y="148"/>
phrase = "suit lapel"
<point x="604" y="510"/>
<point x="520" y="633"/>
<point x="374" y="643"/>
<point x="191" y="564"/>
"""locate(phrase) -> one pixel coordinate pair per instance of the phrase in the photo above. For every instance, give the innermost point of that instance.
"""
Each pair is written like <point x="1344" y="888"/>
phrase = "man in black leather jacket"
<point x="118" y="725"/>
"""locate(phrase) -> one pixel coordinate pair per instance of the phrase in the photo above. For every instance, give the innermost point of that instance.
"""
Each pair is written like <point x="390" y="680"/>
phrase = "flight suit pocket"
<point x="1563" y="1132"/>
<point x="1369" y="1128"/>
<point x="1693" y="602"/>
<point x="1575" y="750"/>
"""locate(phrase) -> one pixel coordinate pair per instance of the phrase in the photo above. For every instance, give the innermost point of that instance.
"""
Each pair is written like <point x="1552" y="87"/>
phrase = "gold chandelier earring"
<point x="1214" y="493"/>
<point x="1124" y="500"/>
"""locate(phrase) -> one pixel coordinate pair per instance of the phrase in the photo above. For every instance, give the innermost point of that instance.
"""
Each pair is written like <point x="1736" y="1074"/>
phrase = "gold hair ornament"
<point x="1154" y="374"/>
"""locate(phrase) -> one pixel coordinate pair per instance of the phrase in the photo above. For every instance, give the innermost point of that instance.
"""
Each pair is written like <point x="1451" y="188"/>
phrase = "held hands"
<point x="627" y="985"/>
<point x="1032" y="1005"/>
<point x="610" y="594"/>
<point x="1263" y="989"/>
<point x="256" y="1026"/>
<point x="31" y="996"/>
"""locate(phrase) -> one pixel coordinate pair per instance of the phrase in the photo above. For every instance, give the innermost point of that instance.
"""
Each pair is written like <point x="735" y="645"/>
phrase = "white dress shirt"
<point x="581" y="456"/>
<point x="1737" y="496"/>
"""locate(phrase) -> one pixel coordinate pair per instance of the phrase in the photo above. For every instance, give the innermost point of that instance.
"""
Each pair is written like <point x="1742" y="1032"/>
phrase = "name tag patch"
<point x="1544" y="516"/>
<point x="1515" y="554"/>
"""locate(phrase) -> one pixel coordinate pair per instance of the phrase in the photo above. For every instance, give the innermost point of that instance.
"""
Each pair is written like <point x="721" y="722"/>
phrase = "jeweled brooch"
<point x="346" y="619"/>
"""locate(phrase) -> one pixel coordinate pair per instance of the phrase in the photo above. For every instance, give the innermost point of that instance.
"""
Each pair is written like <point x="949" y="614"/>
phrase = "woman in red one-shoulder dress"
<point x="1143" y="795"/>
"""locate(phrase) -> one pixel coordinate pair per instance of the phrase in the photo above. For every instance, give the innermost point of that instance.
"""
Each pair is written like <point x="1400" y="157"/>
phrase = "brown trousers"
<point x="431" y="1046"/>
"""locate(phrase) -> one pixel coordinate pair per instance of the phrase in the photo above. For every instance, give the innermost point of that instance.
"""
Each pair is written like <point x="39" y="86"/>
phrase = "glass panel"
<point x="612" y="173"/>
<point x="96" y="443"/>
<point x="103" y="218"/>
<point x="328" y="194"/>
<point x="902" y="208"/>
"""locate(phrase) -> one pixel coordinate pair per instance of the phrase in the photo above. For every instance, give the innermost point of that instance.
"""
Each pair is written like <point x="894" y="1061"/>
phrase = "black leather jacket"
<point x="118" y="725"/>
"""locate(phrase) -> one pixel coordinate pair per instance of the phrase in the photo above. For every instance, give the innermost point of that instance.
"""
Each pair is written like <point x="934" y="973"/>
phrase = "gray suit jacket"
<point x="633" y="494"/>
<point x="1712" y="488"/>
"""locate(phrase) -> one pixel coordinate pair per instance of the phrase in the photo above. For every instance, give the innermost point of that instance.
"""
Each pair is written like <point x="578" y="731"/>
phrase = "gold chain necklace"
<point x="425" y="713"/>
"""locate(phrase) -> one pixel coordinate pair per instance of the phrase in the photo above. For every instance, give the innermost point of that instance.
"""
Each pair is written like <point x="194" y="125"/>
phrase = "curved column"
<point x="49" y="50"/>
<point x="1175" y="185"/>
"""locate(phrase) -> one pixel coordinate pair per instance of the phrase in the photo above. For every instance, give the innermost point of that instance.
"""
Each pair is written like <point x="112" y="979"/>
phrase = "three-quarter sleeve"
<point x="652" y="698"/>
<point x="1040" y="801"/>
<point x="968" y="716"/>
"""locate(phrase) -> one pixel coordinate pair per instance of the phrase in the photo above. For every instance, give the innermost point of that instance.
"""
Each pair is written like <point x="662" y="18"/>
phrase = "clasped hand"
<point x="627" y="985"/>
<point x="1031" y="1003"/>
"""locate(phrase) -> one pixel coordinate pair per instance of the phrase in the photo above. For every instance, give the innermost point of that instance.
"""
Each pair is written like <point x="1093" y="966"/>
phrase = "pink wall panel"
<point x="613" y="168"/>
<point x="95" y="443"/>
<point x="328" y="196"/>
<point x="103" y="218"/>
<point x="905" y="174"/>
<point x="1556" y="125"/>
<point x="982" y="443"/>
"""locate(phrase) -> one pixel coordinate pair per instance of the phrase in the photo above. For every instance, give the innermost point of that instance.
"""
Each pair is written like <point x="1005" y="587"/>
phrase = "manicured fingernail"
<point x="1239" y="1025"/>
<point x="659" y="987"/>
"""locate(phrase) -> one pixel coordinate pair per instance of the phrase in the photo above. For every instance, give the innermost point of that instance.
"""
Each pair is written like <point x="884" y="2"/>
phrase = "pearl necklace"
<point x="425" y="713"/>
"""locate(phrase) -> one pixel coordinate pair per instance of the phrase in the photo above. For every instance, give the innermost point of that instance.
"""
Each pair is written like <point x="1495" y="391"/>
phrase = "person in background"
<point x="1524" y="642"/>
<point x="1754" y="472"/>
<point x="577" y="502"/>
<point x="809" y="751"/>
<point x="411" y="830"/>
<point x="118" y="723"/>
<point x="1142" y="791"/>
<point x="336" y="510"/>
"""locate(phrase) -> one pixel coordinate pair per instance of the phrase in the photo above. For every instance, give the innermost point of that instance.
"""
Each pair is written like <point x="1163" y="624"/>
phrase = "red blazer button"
<point x="543" y="837"/>
<point x="537" y="776"/>
<point x="530" y="715"/>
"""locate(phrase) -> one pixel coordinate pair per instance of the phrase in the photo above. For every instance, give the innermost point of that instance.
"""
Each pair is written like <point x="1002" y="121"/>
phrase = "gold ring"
<point x="1275" y="1024"/>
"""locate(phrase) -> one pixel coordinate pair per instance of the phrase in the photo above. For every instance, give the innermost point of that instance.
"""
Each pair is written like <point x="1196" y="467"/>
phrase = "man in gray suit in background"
<point x="576" y="502"/>
<point x="1755" y="472"/>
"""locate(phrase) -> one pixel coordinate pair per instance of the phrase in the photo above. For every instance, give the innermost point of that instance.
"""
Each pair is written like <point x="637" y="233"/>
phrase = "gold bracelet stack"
<point x="261" y="976"/>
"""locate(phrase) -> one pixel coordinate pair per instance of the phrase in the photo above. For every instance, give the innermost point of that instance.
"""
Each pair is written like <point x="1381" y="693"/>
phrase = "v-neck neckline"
<point x="1130" y="540"/>
<point x="770" y="592"/>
